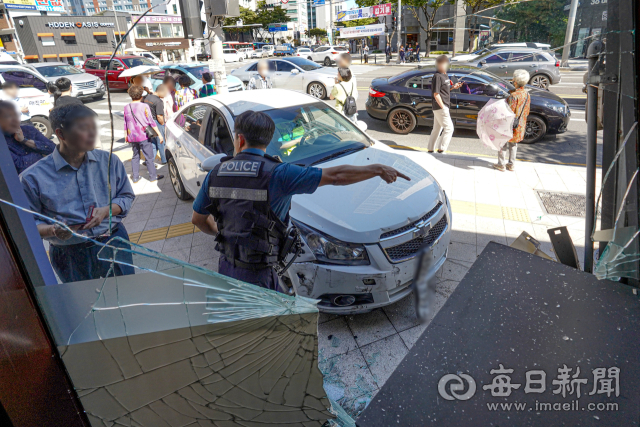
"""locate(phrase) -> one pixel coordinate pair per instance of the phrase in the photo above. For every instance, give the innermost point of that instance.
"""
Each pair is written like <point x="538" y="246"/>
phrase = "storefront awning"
<point x="45" y="34"/>
<point x="67" y="34"/>
<point x="69" y="55"/>
<point x="99" y="33"/>
<point x="103" y="53"/>
<point x="50" y="55"/>
<point x="122" y="33"/>
<point x="31" y="57"/>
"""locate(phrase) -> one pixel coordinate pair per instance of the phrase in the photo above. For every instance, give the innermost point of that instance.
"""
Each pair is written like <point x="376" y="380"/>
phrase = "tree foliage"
<point x="429" y="8"/>
<point x="542" y="21"/>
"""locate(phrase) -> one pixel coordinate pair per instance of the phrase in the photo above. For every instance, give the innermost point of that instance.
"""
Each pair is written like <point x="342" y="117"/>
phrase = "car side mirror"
<point x="491" y="90"/>
<point x="481" y="63"/>
<point x="211" y="162"/>
<point x="295" y="71"/>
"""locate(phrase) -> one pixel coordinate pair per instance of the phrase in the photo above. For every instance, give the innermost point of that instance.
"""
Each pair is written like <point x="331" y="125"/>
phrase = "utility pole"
<point x="331" y="22"/>
<point x="115" y="14"/>
<point x="399" y="30"/>
<point x="216" y="63"/>
<point x="455" y="27"/>
<point x="569" y="34"/>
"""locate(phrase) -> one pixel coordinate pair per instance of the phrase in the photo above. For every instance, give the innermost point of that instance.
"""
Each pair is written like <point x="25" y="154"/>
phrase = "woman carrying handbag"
<point x="139" y="129"/>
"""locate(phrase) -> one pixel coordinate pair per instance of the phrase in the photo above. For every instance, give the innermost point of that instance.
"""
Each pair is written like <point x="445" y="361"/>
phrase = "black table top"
<point x="526" y="314"/>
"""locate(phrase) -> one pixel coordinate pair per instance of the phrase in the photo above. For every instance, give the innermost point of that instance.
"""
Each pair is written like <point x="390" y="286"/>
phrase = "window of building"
<point x="166" y="30"/>
<point x="154" y="31"/>
<point x="69" y="38"/>
<point x="141" y="31"/>
<point x="6" y="38"/>
<point x="177" y="30"/>
<point x="100" y="37"/>
<point x="175" y="9"/>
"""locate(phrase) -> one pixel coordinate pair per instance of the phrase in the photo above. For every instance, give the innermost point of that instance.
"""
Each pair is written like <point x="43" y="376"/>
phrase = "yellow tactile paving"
<point x="458" y="206"/>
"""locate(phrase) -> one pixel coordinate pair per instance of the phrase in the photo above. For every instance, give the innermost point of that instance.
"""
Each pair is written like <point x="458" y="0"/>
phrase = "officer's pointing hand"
<point x="390" y="175"/>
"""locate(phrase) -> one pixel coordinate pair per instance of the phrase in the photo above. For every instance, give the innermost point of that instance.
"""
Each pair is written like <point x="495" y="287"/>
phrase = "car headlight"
<point x="558" y="108"/>
<point x="332" y="251"/>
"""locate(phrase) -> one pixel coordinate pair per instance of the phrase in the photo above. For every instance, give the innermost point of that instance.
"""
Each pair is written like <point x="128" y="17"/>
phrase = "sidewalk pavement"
<point x="358" y="353"/>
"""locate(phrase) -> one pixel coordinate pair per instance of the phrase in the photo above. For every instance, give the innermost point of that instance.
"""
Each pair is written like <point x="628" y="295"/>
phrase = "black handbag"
<point x="516" y="122"/>
<point x="149" y="131"/>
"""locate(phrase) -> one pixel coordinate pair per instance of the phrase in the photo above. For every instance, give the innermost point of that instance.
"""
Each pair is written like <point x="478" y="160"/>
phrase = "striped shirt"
<point x="207" y="90"/>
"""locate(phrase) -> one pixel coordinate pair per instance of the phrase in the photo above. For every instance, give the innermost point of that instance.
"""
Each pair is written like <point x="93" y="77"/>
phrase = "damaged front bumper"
<point x="344" y="289"/>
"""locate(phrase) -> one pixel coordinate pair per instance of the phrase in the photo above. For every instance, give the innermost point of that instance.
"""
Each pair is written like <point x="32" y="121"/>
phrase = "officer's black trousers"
<point x="266" y="278"/>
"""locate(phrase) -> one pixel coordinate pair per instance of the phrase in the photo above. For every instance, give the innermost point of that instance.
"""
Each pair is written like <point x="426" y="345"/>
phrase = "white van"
<point x="32" y="87"/>
<point x="268" y="50"/>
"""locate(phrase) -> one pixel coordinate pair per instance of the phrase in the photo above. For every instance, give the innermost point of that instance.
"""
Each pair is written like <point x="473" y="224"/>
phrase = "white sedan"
<point x="232" y="55"/>
<point x="327" y="55"/>
<point x="360" y="241"/>
<point x="295" y="74"/>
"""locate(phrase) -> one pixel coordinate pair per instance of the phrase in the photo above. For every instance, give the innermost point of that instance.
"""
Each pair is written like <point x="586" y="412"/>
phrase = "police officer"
<point x="245" y="200"/>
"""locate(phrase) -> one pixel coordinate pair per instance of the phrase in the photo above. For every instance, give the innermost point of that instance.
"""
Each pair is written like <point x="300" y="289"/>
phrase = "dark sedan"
<point x="405" y="101"/>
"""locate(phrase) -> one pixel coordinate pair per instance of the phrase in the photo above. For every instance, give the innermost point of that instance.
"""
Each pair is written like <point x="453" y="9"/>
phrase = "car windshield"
<point x="492" y="78"/>
<point x="304" y="63"/>
<point x="313" y="133"/>
<point x="58" y="70"/>
<point x="134" y="62"/>
<point x="481" y="51"/>
<point x="197" y="71"/>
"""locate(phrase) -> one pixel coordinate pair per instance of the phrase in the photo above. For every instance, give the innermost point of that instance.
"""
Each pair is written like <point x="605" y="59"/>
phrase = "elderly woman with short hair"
<point x="262" y="80"/>
<point x="519" y="101"/>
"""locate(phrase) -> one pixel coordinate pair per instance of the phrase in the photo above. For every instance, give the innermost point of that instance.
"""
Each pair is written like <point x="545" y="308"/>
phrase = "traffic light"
<point x="113" y="44"/>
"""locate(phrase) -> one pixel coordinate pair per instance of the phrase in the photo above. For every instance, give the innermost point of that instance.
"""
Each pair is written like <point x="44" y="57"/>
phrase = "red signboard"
<point x="382" y="9"/>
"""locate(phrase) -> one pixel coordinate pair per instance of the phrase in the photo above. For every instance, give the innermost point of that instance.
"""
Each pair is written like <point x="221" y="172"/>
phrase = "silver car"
<point x="543" y="67"/>
<point x="294" y="73"/>
<point x="83" y="85"/>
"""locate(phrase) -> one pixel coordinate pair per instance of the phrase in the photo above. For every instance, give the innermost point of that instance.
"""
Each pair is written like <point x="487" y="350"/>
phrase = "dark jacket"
<point x="24" y="156"/>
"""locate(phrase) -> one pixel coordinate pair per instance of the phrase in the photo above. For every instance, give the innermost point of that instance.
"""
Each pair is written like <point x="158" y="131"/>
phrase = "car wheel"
<point x="536" y="130"/>
<point x="176" y="181"/>
<point x="43" y="125"/>
<point x="317" y="90"/>
<point x="327" y="62"/>
<point x="540" y="81"/>
<point x="402" y="121"/>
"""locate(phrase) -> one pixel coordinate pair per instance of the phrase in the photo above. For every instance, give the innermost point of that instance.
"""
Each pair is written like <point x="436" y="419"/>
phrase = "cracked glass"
<point x="177" y="344"/>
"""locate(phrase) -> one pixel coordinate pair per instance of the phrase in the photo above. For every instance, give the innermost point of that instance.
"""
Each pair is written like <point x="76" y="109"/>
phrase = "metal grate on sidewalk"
<point x="566" y="204"/>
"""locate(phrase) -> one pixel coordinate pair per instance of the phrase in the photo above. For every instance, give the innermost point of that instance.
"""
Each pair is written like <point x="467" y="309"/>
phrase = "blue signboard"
<point x="274" y="28"/>
<point x="318" y="2"/>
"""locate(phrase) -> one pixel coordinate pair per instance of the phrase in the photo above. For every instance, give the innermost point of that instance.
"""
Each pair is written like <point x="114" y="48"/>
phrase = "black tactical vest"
<point x="250" y="234"/>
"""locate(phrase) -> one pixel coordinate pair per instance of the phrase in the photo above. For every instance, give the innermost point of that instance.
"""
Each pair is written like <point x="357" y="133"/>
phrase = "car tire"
<point x="540" y="81"/>
<point x="43" y="125"/>
<point x="536" y="130"/>
<point x="176" y="181"/>
<point x="327" y="62"/>
<point x="402" y="121"/>
<point x="317" y="90"/>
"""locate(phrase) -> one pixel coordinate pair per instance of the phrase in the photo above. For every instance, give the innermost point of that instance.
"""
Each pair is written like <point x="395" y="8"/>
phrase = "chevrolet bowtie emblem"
<point x="422" y="230"/>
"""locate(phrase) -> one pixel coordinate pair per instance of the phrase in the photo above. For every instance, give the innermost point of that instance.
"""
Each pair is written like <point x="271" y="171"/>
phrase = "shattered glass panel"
<point x="180" y="345"/>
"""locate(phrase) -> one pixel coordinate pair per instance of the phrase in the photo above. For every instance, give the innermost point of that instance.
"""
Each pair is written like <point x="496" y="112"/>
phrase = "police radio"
<point x="292" y="245"/>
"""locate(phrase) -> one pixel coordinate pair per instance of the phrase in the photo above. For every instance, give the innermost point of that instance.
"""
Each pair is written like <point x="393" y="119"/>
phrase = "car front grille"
<point x="85" y="85"/>
<point x="408" y="227"/>
<point x="408" y="249"/>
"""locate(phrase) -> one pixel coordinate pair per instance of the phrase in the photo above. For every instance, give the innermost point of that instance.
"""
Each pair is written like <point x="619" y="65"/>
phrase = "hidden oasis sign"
<point x="81" y="24"/>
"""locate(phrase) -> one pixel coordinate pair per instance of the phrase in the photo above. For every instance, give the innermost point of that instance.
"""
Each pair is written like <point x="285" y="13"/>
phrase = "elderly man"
<point x="262" y="80"/>
<point x="72" y="186"/>
<point x="26" y="144"/>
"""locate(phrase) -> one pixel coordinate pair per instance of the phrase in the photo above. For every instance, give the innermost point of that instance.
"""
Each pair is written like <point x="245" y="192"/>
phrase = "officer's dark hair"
<point x="6" y="106"/>
<point x="65" y="116"/>
<point x="257" y="128"/>
<point x="9" y="85"/>
<point x="207" y="77"/>
<point x="345" y="74"/>
<point x="442" y="58"/>
<point x="64" y="84"/>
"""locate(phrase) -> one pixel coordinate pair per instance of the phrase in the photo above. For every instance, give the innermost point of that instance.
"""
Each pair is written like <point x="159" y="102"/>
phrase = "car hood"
<point x="360" y="213"/>
<point x="326" y="71"/>
<point x="75" y="78"/>
<point x="463" y="58"/>
<point x="545" y="94"/>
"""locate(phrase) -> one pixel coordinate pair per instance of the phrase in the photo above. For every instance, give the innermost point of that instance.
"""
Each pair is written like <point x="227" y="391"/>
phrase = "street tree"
<point x="247" y="17"/>
<point x="318" y="33"/>
<point x="267" y="14"/>
<point x="429" y="8"/>
<point x="542" y="21"/>
<point x="473" y="7"/>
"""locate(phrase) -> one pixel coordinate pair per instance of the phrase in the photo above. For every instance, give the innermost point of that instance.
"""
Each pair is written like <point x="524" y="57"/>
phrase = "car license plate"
<point x="89" y="91"/>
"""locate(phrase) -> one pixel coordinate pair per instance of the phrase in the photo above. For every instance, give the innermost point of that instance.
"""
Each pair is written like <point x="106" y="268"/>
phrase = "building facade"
<point x="163" y="35"/>
<point x="91" y="7"/>
<point x="591" y="20"/>
<point x="69" y="39"/>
